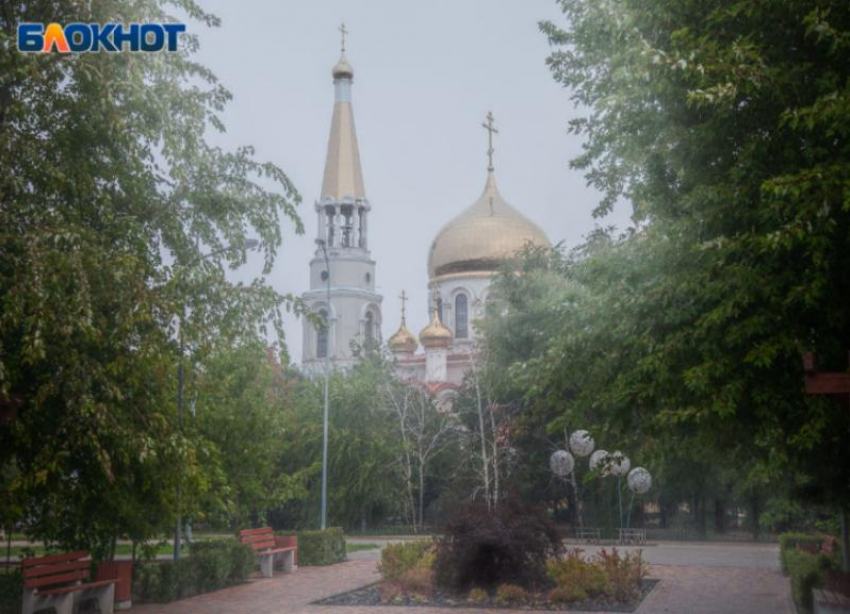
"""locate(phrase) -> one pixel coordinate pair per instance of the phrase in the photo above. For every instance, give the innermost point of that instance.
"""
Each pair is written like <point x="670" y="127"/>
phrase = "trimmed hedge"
<point x="210" y="566"/>
<point x="11" y="589"/>
<point x="319" y="547"/>
<point x="788" y="542"/>
<point x="807" y="571"/>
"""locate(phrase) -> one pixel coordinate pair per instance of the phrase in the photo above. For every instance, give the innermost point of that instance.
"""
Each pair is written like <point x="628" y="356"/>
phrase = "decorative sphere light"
<point x="561" y="463"/>
<point x="620" y="464"/>
<point x="581" y="443"/>
<point x="639" y="480"/>
<point x="599" y="460"/>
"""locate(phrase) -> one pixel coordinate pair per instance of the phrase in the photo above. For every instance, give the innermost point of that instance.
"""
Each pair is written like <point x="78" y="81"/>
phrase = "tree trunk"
<point x="845" y="540"/>
<point x="421" y="493"/>
<point x="719" y="516"/>
<point x="755" y="509"/>
<point x="702" y="518"/>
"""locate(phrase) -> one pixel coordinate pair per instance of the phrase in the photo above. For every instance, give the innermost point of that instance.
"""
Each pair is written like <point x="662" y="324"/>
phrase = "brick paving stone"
<point x="682" y="590"/>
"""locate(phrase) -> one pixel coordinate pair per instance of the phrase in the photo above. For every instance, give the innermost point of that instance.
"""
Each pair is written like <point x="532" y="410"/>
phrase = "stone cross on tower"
<point x="343" y="32"/>
<point x="491" y="130"/>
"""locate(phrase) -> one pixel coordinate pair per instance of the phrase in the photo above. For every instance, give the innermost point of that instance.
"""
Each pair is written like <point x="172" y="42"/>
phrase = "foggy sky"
<point x="425" y="75"/>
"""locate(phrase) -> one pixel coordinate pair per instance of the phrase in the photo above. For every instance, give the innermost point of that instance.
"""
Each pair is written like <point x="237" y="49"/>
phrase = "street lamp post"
<point x="249" y="244"/>
<point x="324" y="519"/>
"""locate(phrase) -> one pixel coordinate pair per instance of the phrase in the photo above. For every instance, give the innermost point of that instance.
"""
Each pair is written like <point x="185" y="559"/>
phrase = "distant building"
<point x="461" y="262"/>
<point x="354" y="311"/>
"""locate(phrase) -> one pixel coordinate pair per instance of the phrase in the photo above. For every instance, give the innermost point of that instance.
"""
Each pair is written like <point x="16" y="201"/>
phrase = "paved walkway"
<point x="695" y="579"/>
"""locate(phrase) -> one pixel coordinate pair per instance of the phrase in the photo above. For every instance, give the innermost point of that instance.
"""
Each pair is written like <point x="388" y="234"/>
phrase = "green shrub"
<point x="11" y="588"/>
<point x="579" y="576"/>
<point x="478" y="595"/>
<point x="399" y="558"/>
<point x="807" y="571"/>
<point x="623" y="572"/>
<point x="788" y="542"/>
<point x="210" y="566"/>
<point x="319" y="547"/>
<point x="507" y="594"/>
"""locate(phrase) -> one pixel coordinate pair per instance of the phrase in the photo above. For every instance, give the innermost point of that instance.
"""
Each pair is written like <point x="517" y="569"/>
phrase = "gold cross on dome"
<point x="491" y="129"/>
<point x="403" y="298"/>
<point x="343" y="31"/>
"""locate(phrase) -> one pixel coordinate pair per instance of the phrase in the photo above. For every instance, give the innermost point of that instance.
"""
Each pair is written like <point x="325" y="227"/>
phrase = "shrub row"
<point x="11" y="588"/>
<point x="319" y="547"/>
<point x="807" y="571"/>
<point x="788" y="542"/>
<point x="209" y="567"/>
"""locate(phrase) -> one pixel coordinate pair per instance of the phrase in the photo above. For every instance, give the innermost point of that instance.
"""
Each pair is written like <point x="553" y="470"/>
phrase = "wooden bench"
<point x="834" y="597"/>
<point x="268" y="550"/>
<point x="588" y="535"/>
<point x="632" y="536"/>
<point x="58" y="581"/>
<point x="826" y="546"/>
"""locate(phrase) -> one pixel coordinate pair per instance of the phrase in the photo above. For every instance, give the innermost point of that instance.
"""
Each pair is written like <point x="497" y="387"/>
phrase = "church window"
<point x="322" y="336"/>
<point x="461" y="317"/>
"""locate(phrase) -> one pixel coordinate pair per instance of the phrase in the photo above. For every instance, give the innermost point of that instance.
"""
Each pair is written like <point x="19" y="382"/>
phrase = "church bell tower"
<point x="342" y="272"/>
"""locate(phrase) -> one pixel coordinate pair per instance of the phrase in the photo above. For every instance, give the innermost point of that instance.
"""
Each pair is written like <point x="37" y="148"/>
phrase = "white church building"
<point x="461" y="262"/>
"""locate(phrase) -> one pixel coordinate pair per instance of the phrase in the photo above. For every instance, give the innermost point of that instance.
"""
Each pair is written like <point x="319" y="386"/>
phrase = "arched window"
<point x="322" y="336"/>
<point x="461" y="317"/>
<point x="370" y="330"/>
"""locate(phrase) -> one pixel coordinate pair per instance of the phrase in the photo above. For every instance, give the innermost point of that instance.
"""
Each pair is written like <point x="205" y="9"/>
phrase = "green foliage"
<point x="210" y="566"/>
<point x="118" y="220"/>
<point x="624" y="573"/>
<point x="681" y="338"/>
<point x="11" y="591"/>
<point x="320" y="547"/>
<point x="577" y="578"/>
<point x="508" y="594"/>
<point x="806" y="572"/>
<point x="239" y="412"/>
<point x="477" y="595"/>
<point x="363" y="449"/>
<point x="788" y="543"/>
<point x="240" y="558"/>
<point x="398" y="558"/>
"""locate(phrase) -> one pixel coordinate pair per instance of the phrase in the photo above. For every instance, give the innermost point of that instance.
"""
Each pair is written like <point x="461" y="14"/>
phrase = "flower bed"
<point x="609" y="581"/>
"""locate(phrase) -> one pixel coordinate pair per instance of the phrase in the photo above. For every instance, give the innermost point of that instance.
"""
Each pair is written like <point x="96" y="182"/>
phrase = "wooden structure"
<point x="269" y="549"/>
<point x="58" y="581"/>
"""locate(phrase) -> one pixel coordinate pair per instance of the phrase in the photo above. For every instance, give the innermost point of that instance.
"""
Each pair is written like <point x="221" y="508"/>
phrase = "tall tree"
<point x="725" y="126"/>
<point x="117" y="221"/>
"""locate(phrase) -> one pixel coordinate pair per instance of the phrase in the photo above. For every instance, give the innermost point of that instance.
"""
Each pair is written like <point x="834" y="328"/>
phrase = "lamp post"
<point x="249" y="244"/>
<point x="324" y="519"/>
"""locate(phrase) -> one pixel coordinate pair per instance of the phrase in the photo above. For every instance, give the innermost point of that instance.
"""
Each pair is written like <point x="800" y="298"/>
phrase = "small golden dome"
<point x="435" y="335"/>
<point x="486" y="233"/>
<point x="403" y="341"/>
<point x="343" y="69"/>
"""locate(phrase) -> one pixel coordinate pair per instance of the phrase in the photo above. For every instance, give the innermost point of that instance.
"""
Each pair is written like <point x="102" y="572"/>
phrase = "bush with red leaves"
<point x="484" y="548"/>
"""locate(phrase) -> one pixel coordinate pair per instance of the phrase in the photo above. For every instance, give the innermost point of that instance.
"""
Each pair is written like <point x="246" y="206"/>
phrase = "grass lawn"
<point x="356" y="547"/>
<point x="120" y="549"/>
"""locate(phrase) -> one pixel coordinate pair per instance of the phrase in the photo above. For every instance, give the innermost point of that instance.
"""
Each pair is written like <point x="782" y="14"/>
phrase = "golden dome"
<point x="487" y="232"/>
<point x="343" y="69"/>
<point x="435" y="335"/>
<point x="403" y="341"/>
